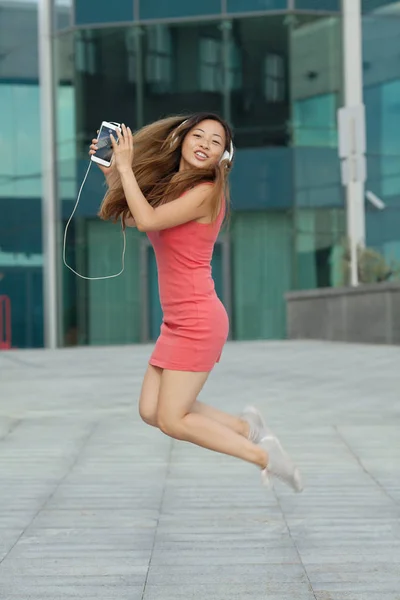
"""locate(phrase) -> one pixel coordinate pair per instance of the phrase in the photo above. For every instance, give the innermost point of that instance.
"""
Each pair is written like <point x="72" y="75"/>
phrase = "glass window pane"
<point x="158" y="68"/>
<point x="317" y="177"/>
<point x="381" y="6"/>
<point x="235" y="79"/>
<point x="162" y="9"/>
<point x="391" y="139"/>
<point x="66" y="141"/>
<point x="260" y="104"/>
<point x="103" y="11"/>
<point x="20" y="166"/>
<point x="18" y="41"/>
<point x="315" y="121"/>
<point x="316" y="81"/>
<point x="381" y="92"/>
<point x="319" y="234"/>
<point x="274" y="68"/>
<point x="184" y="73"/>
<point x="210" y="64"/>
<point x="111" y="304"/>
<point x="262" y="264"/>
<point x="105" y="81"/>
<point x="318" y="5"/>
<point x="262" y="178"/>
<point x="250" y="5"/>
<point x="8" y="140"/>
<point x="62" y="14"/>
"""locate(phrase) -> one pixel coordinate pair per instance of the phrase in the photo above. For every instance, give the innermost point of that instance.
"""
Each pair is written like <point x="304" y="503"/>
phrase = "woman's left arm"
<point x="192" y="206"/>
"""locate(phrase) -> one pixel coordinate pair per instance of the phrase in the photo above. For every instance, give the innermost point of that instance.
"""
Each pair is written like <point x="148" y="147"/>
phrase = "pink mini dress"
<point x="195" y="323"/>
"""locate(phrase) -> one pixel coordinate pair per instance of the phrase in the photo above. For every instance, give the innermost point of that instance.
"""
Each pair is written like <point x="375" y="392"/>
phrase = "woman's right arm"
<point x="130" y="222"/>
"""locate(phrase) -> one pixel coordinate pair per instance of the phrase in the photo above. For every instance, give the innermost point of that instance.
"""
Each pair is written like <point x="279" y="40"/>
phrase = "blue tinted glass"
<point x="315" y="121"/>
<point x="383" y="137"/>
<point x="62" y="14"/>
<point x="20" y="166"/>
<point x="391" y="139"/>
<point x="371" y="5"/>
<point x="103" y="11"/>
<point x="318" y="4"/>
<point x="66" y="142"/>
<point x="160" y="9"/>
<point x="249" y="5"/>
<point x="317" y="176"/>
<point x="183" y="68"/>
<point x="26" y="307"/>
<point x="262" y="178"/>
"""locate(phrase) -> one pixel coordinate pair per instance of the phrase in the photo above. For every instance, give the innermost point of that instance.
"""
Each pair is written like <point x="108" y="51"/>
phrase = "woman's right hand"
<point x="92" y="150"/>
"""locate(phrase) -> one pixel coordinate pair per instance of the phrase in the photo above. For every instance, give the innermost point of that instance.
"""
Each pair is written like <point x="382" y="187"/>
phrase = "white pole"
<point x="49" y="177"/>
<point x="353" y="96"/>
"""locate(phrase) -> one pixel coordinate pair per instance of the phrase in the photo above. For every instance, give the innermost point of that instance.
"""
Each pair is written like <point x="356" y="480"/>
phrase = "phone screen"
<point x="105" y="150"/>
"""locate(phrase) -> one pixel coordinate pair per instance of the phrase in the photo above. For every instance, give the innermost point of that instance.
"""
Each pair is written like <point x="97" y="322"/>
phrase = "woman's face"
<point x="203" y="145"/>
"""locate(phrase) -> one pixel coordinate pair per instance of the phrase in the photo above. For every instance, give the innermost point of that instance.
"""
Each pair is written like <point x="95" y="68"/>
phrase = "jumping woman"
<point x="170" y="180"/>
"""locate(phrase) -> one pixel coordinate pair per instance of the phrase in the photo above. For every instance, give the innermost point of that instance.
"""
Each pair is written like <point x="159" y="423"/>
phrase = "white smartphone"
<point x="104" y="151"/>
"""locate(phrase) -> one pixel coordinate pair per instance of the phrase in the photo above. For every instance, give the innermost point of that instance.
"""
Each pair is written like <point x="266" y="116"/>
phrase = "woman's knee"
<point x="149" y="396"/>
<point x="170" y="426"/>
<point x="148" y="415"/>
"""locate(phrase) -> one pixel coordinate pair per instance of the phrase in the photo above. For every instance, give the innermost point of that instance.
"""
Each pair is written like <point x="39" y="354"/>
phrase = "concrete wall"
<point x="367" y="314"/>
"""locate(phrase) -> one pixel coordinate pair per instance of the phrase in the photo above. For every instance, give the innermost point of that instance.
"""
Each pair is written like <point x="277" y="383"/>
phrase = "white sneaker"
<point x="258" y="428"/>
<point x="280" y="464"/>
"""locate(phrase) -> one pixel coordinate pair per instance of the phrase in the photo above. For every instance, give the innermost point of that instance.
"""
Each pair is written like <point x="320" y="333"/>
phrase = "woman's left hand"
<point x="123" y="150"/>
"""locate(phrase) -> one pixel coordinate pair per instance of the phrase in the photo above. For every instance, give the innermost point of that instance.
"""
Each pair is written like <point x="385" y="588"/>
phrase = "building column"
<point x="49" y="175"/>
<point x="353" y="98"/>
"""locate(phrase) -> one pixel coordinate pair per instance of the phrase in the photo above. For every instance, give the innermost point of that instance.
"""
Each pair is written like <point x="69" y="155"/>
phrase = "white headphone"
<point x="227" y="155"/>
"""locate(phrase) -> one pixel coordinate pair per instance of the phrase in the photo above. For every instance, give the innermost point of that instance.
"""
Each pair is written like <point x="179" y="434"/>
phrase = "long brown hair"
<point x="157" y="154"/>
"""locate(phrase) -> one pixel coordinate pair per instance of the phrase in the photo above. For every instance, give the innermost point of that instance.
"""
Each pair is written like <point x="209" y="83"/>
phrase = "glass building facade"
<point x="273" y="69"/>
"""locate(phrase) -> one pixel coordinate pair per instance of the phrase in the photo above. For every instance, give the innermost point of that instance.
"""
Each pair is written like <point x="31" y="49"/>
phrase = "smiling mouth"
<point x="200" y="155"/>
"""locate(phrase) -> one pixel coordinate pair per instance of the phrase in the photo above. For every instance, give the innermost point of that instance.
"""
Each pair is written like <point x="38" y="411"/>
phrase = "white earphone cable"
<point x="65" y="238"/>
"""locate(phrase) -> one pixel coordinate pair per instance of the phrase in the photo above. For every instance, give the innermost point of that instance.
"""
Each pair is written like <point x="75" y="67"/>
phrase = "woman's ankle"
<point x="245" y="429"/>
<point x="263" y="459"/>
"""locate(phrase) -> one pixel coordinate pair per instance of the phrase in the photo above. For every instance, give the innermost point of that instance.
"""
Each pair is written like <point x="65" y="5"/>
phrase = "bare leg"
<point x="148" y="400"/>
<point x="148" y="405"/>
<point x="178" y="393"/>
<point x="226" y="419"/>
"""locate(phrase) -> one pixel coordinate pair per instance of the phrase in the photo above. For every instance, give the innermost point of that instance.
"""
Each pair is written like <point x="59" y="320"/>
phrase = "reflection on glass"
<point x="86" y="52"/>
<point x="315" y="121"/>
<point x="62" y="14"/>
<point x="18" y="41"/>
<point x="102" y="11"/>
<point x="319" y="237"/>
<point x="183" y="71"/>
<point x="250" y="5"/>
<point x="66" y="141"/>
<point x="274" y="74"/>
<point x="315" y="84"/>
<point x="210" y="71"/>
<point x="381" y="96"/>
<point x="318" y="5"/>
<point x="159" y="61"/>
<point x="383" y="7"/>
<point x="21" y="254"/>
<point x="259" y="100"/>
<point x="162" y="9"/>
<point x="105" y="80"/>
<point x="20" y="165"/>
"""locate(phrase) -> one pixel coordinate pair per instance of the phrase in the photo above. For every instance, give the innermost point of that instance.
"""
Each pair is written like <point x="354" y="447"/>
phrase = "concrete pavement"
<point x="95" y="504"/>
